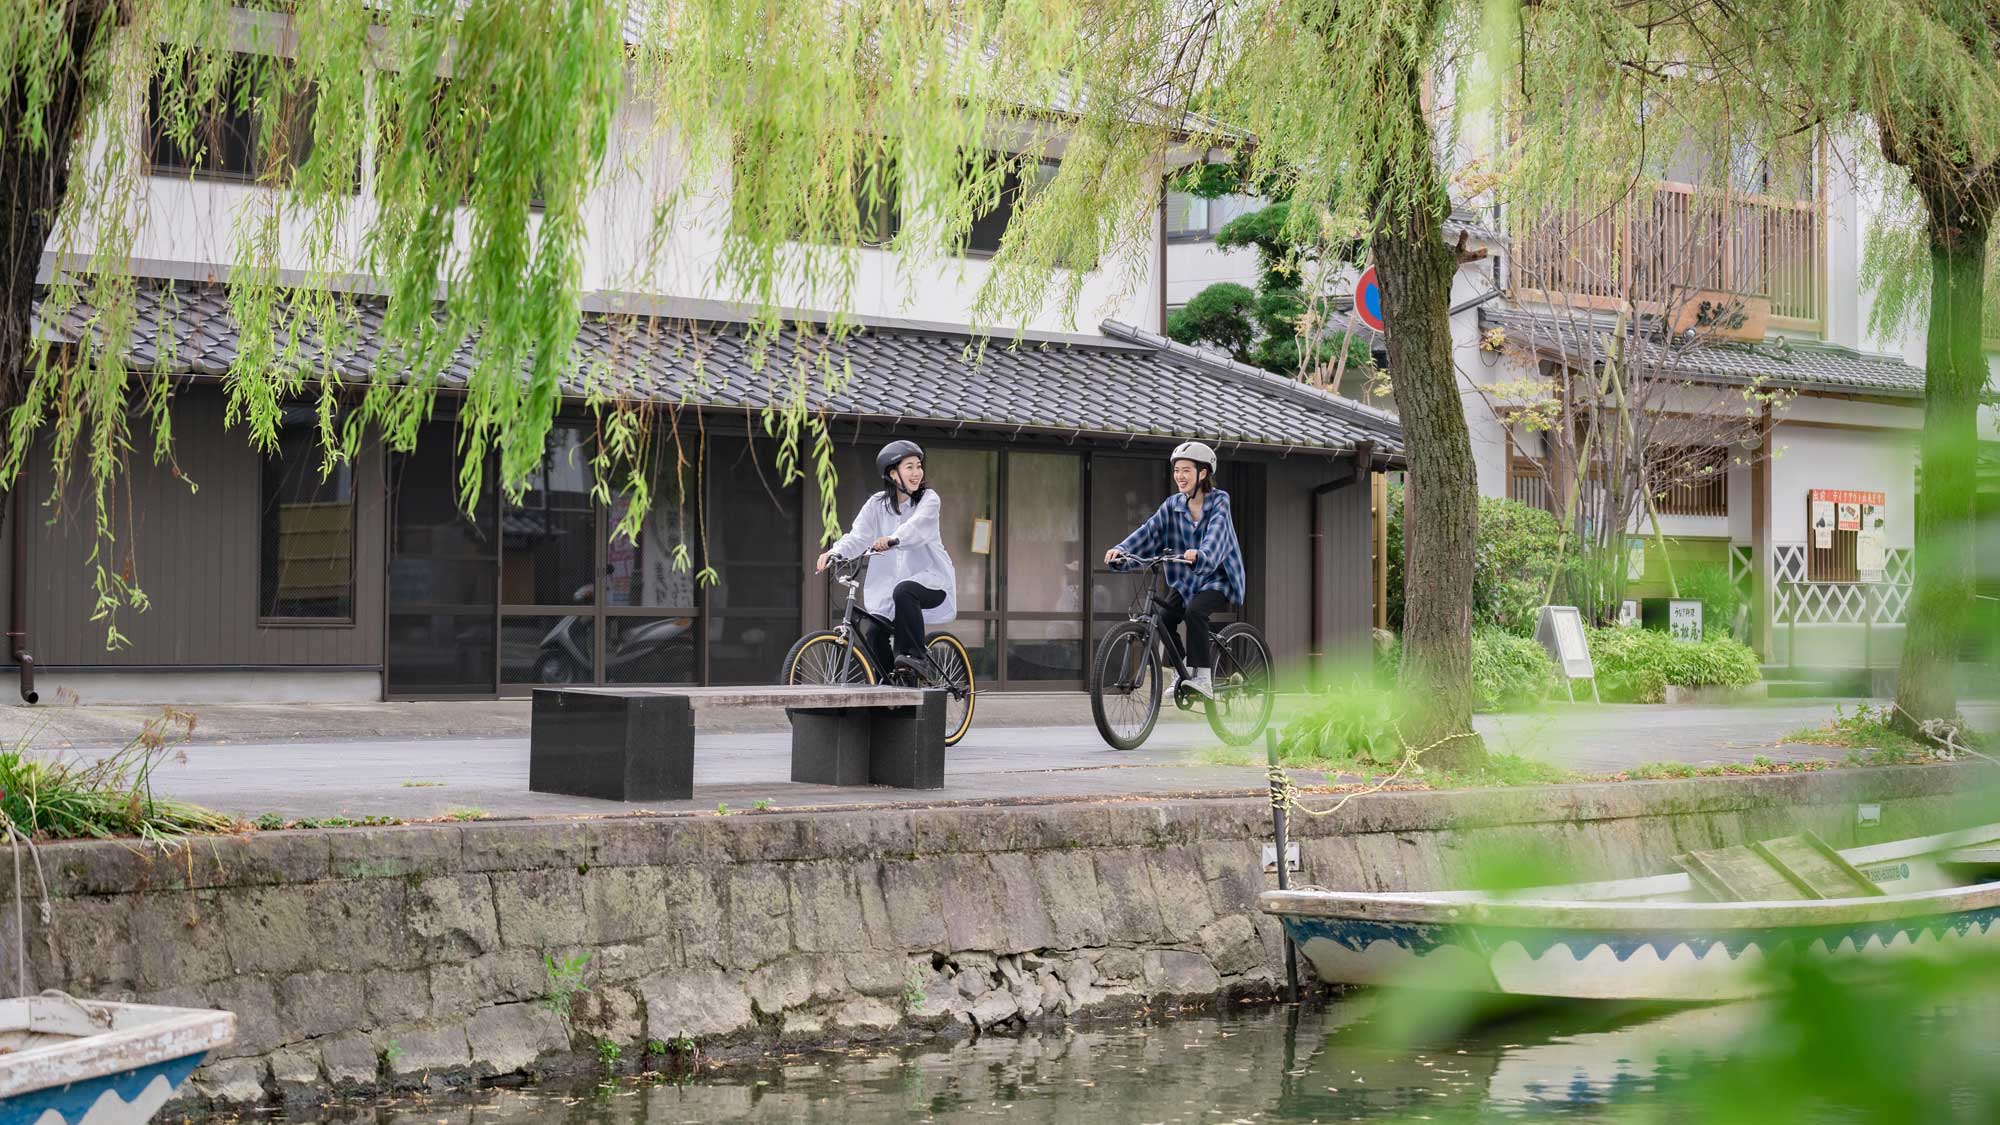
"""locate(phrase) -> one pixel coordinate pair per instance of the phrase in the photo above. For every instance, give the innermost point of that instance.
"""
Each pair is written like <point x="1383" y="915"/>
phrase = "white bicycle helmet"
<point x="1194" y="451"/>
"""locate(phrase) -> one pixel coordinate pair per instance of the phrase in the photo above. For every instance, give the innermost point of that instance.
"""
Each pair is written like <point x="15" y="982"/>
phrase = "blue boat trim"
<point x="1421" y="938"/>
<point x="74" y="1100"/>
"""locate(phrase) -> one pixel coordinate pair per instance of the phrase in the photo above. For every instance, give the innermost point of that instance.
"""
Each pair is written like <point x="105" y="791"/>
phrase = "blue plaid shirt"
<point x="1171" y="530"/>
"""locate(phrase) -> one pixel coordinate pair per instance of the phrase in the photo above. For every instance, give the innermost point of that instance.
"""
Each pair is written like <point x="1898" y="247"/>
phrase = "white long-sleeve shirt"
<point x="918" y="556"/>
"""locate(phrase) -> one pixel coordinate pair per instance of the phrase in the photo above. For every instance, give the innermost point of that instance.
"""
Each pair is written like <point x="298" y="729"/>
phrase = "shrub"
<point x="1514" y="557"/>
<point x="1720" y="599"/>
<point x="1509" y="672"/>
<point x="1352" y="725"/>
<point x="1636" y="665"/>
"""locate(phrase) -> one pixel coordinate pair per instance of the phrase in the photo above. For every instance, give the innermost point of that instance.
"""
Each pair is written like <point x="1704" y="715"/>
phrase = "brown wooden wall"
<point x="196" y="555"/>
<point x="1285" y="609"/>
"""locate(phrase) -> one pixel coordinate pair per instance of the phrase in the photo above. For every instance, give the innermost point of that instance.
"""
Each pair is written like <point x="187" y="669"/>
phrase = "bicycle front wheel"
<point x="954" y="669"/>
<point x="824" y="659"/>
<point x="1244" y="694"/>
<point x="1125" y="686"/>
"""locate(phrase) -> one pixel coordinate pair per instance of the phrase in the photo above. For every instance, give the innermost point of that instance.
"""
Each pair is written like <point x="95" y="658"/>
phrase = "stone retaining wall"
<point x="394" y="957"/>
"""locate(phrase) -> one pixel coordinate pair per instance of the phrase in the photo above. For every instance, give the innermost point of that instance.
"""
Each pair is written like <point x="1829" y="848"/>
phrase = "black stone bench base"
<point x="896" y="746"/>
<point x="612" y="747"/>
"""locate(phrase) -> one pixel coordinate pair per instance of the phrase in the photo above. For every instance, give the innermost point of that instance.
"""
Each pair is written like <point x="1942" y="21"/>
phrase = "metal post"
<point x="1284" y="860"/>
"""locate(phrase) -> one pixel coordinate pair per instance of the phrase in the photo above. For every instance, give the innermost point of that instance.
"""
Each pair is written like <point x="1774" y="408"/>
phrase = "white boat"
<point x="65" y="1061"/>
<point x="1703" y="934"/>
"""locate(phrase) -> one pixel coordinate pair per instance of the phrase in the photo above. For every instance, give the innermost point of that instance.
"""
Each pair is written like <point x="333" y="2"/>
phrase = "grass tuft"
<point x="54" y="799"/>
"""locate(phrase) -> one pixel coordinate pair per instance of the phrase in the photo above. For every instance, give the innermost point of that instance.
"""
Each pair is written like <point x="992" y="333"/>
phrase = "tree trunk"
<point x="37" y="181"/>
<point x="1441" y="503"/>
<point x="1954" y="378"/>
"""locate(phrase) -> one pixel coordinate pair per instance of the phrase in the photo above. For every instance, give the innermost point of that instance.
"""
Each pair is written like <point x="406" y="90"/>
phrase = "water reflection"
<point x="1271" y="1064"/>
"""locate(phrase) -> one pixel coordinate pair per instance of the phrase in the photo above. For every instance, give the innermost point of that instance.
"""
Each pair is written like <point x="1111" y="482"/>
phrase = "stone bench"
<point x="637" y="743"/>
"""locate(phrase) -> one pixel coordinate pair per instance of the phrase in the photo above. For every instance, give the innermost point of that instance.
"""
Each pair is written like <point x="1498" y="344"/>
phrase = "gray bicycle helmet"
<point x="893" y="454"/>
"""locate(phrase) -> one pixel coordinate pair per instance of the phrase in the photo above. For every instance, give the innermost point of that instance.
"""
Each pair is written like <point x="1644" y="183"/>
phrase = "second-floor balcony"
<point x="1663" y="244"/>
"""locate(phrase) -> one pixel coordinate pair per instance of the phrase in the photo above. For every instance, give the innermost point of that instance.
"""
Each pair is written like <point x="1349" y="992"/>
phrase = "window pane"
<point x="968" y="484"/>
<point x="441" y="654"/>
<point x="307" y="529"/>
<point x="226" y="140"/>
<point x="655" y="567"/>
<point x="443" y="574"/>
<point x="547" y="553"/>
<point x="1044" y="533"/>
<point x="548" y="649"/>
<point x="1124" y="493"/>
<point x="754" y="542"/>
<point x="1044" y="650"/>
<point x="1186" y="214"/>
<point x="650" y="650"/>
<point x="1018" y="183"/>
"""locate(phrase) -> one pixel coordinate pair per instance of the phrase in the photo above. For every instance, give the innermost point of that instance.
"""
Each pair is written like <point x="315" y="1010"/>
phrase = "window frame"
<point x="273" y="621"/>
<point x="156" y="138"/>
<point x="1012" y="191"/>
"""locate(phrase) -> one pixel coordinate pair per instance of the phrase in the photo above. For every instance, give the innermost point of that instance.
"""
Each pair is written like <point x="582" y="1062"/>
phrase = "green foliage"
<point x="565" y="981"/>
<point x="1509" y="672"/>
<point x="656" y="1047"/>
<point x="269" y="822"/>
<point x="1636" y="665"/>
<point x="64" y="799"/>
<point x="1354" y="727"/>
<point x="1516" y="552"/>
<point x="609" y="1052"/>
<point x="913" y="989"/>
<point x="465" y="813"/>
<point x="1718" y="594"/>
<point x="1219" y="316"/>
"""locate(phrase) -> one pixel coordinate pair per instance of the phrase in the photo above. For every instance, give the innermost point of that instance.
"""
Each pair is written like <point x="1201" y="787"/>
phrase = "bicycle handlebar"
<point x="1138" y="562"/>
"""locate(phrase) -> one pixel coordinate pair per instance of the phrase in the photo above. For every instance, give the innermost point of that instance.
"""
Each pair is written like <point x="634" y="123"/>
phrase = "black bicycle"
<point x="1125" y="675"/>
<point x="841" y="655"/>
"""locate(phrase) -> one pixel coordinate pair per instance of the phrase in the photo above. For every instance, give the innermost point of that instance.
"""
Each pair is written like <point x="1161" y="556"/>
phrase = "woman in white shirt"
<point x="911" y="582"/>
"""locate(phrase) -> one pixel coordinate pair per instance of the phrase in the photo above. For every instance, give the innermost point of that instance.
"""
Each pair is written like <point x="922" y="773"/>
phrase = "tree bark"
<point x="36" y="182"/>
<point x="1959" y="223"/>
<point x="1415" y="267"/>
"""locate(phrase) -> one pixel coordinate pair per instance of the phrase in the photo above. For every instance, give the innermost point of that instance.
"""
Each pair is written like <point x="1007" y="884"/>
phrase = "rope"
<point x="1285" y="793"/>
<point x="1945" y="733"/>
<point x="15" y="838"/>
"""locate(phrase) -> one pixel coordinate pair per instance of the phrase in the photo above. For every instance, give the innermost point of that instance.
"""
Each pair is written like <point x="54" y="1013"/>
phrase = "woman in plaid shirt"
<point x="1193" y="523"/>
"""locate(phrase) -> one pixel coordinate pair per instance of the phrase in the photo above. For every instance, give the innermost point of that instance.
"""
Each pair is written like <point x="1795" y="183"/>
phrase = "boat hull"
<point x="128" y="1097"/>
<point x="1687" y="964"/>
<point x="65" y="1061"/>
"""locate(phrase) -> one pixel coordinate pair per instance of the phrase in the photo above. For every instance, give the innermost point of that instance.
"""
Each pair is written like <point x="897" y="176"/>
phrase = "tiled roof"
<point x="1136" y="386"/>
<point x="1810" y="367"/>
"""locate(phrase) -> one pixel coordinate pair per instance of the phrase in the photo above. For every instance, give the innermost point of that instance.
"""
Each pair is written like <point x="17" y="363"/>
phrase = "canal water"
<point x="1269" y="1064"/>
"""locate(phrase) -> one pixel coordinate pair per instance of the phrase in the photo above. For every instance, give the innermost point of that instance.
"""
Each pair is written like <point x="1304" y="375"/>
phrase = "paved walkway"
<point x="426" y="760"/>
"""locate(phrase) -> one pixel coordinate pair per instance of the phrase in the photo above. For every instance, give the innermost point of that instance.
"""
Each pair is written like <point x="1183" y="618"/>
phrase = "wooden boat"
<point x="65" y="1061"/>
<point x="1699" y="935"/>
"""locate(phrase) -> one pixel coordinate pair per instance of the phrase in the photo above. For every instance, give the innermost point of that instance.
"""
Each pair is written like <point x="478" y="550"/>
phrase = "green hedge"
<point x="1516" y="553"/>
<point x="1636" y="665"/>
<point x="1509" y="672"/>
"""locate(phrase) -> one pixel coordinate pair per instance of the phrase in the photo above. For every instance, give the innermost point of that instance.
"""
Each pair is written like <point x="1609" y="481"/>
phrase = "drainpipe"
<point x="1364" y="463"/>
<point x="18" y="595"/>
<point x="1163" y="257"/>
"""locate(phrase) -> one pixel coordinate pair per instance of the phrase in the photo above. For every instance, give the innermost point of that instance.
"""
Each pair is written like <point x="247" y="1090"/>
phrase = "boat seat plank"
<point x="1786" y="869"/>
<point x="1808" y="859"/>
<point x="1737" y="874"/>
<point x="1982" y="857"/>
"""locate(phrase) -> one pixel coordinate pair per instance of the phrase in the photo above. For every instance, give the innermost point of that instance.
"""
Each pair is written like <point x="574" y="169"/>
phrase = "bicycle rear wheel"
<point x="823" y="658"/>
<point x="954" y="667"/>
<point x="1125" y="686"/>
<point x="1243" y="689"/>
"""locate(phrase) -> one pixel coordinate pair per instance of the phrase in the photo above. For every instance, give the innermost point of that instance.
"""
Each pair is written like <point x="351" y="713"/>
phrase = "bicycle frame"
<point x="1146" y="611"/>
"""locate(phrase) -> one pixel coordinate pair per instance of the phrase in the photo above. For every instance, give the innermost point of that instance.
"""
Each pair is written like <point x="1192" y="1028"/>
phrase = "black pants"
<point x="1174" y="610"/>
<point x="911" y="599"/>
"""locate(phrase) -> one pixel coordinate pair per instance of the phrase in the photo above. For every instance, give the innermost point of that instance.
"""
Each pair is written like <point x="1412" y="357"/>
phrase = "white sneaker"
<point x="1202" y="683"/>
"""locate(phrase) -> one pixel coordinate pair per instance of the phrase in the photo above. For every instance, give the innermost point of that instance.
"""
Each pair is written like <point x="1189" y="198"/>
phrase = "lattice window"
<point x="1796" y="599"/>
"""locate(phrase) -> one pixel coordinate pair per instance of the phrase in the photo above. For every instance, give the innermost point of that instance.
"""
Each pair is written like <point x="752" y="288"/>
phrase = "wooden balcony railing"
<point x="1678" y="239"/>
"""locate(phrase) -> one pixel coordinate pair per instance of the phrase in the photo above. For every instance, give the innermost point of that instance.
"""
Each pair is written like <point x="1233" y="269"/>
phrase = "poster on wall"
<point x="1635" y="560"/>
<point x="1850" y="517"/>
<point x="1822" y="523"/>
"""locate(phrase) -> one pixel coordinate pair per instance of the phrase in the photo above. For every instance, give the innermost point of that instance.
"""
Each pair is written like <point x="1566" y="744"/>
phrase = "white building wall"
<point x="198" y="223"/>
<point x="1814" y="457"/>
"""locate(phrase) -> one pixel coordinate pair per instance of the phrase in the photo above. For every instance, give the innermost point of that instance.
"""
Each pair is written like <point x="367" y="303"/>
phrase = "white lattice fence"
<point x="1794" y="600"/>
